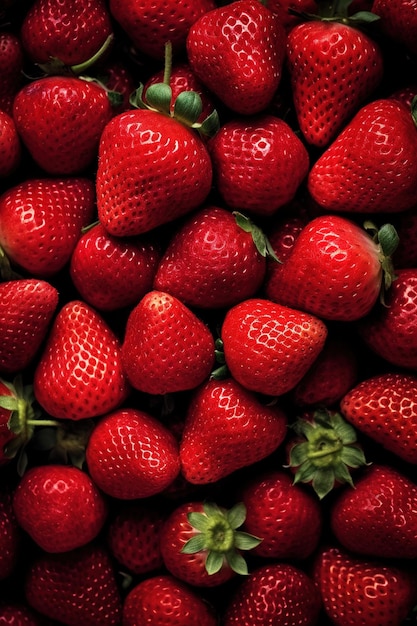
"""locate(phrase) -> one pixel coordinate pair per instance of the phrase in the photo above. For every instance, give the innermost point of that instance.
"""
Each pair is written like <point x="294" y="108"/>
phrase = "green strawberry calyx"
<point x="387" y="239"/>
<point x="261" y="241"/>
<point x="217" y="535"/>
<point x="338" y="11"/>
<point x="324" y="451"/>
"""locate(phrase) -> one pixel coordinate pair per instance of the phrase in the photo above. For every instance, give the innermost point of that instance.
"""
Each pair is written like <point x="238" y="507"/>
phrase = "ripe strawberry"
<point x="130" y="454"/>
<point x="398" y="21"/>
<point x="334" y="68"/>
<point x="117" y="77"/>
<point x="60" y="120"/>
<point x="76" y="587"/>
<point x="384" y="407"/>
<point x="27" y="307"/>
<point x="61" y="497"/>
<point x="200" y="543"/>
<point x="11" y="66"/>
<point x="379" y="517"/>
<point x="268" y="347"/>
<point x="258" y="164"/>
<point x="18" y="614"/>
<point x="357" y="591"/>
<point x="286" y="516"/>
<point x="227" y="428"/>
<point x="10" y="146"/>
<point x="210" y="261"/>
<point x="110" y="273"/>
<point x="360" y="173"/>
<point x="79" y="373"/>
<point x="275" y="593"/>
<point x="41" y="221"/>
<point x="238" y="52"/>
<point x="162" y="600"/>
<point x="335" y="269"/>
<point x="166" y="347"/>
<point x="11" y="537"/>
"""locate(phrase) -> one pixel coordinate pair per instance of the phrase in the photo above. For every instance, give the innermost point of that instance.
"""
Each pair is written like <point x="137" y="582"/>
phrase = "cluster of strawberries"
<point x="208" y="313"/>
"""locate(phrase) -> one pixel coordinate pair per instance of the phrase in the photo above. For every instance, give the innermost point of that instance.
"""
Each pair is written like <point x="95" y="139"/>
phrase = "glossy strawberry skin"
<point x="398" y="21"/>
<point x="10" y="146"/>
<point x="151" y="170"/>
<point x="64" y="139"/>
<point x="79" y="373"/>
<point x="269" y="347"/>
<point x="41" y="221"/>
<point x="130" y="455"/>
<point x="218" y="46"/>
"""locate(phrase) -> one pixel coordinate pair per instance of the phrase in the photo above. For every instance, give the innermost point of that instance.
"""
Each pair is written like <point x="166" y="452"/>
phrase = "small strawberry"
<point x="384" y="407"/>
<point x="111" y="273"/>
<point x="79" y="373"/>
<point x="227" y="428"/>
<point x="166" y="347"/>
<point x="238" y="52"/>
<point x="398" y="22"/>
<point x="11" y="536"/>
<point x="41" y="221"/>
<point x="11" y="69"/>
<point x="10" y="146"/>
<point x="201" y="544"/>
<point x="379" y="517"/>
<point x="258" y="164"/>
<point x="162" y="600"/>
<point x="268" y="347"/>
<point x="276" y="593"/>
<point x="130" y="455"/>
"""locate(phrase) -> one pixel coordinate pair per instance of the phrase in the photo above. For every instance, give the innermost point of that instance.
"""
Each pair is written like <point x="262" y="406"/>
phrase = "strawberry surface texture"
<point x="208" y="313"/>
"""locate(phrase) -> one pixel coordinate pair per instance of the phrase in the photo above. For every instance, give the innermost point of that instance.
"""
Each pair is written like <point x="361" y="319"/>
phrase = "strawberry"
<point x="76" y="587"/>
<point x="210" y="261"/>
<point x="384" y="408"/>
<point x="117" y="77"/>
<point x="390" y="330"/>
<point x="227" y="428"/>
<point x="201" y="544"/>
<point x="358" y="591"/>
<point x="334" y="68"/>
<point x="41" y="221"/>
<point x="166" y="347"/>
<point x="238" y="52"/>
<point x="398" y="22"/>
<point x="11" y="66"/>
<point x="11" y="536"/>
<point x="79" y="373"/>
<point x="335" y="269"/>
<point x="361" y="173"/>
<point x="10" y="146"/>
<point x="111" y="273"/>
<point x="258" y="164"/>
<point x="27" y="307"/>
<point x="286" y="516"/>
<point x="18" y="614"/>
<point x="379" y="517"/>
<point x="150" y="25"/>
<point x="63" y="498"/>
<point x="268" y="347"/>
<point x="130" y="454"/>
<point x="275" y="593"/>
<point x="60" y="120"/>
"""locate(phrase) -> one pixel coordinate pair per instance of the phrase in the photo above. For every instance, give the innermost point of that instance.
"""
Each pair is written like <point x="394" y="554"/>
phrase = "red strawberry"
<point x="60" y="120"/>
<point x="384" y="407"/>
<point x="11" y="537"/>
<point x="357" y="591"/>
<point x="150" y="25"/>
<point x="201" y="544"/>
<point x="117" y="76"/>
<point x="238" y="52"/>
<point x="79" y="374"/>
<point x="398" y="21"/>
<point x="275" y="593"/>
<point x="17" y="614"/>
<point x="211" y="262"/>
<point x="227" y="428"/>
<point x="334" y="68"/>
<point x="162" y="600"/>
<point x="76" y="587"/>
<point x="41" y="221"/>
<point x="286" y="516"/>
<point x="10" y="146"/>
<point x="268" y="347"/>
<point x="258" y="164"/>
<point x="111" y="273"/>
<point x="27" y="307"/>
<point x="11" y="66"/>
<point x="379" y="517"/>
<point x="335" y="269"/>
<point x="61" y="497"/>
<point x="166" y="347"/>
<point x="369" y="167"/>
<point x="130" y="454"/>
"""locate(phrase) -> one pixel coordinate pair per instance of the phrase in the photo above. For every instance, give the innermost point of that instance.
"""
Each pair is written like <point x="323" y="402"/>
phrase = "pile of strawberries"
<point x="208" y="313"/>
